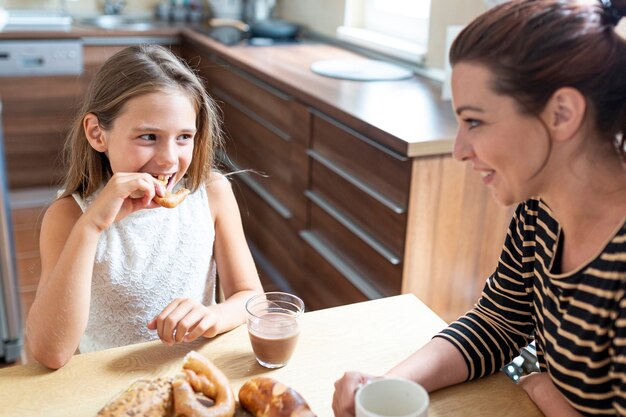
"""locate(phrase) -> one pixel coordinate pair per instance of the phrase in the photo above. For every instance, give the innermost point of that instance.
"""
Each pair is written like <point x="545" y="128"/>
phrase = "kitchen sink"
<point x="121" y="22"/>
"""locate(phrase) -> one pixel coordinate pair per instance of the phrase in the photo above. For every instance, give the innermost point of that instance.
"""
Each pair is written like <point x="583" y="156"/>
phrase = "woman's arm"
<point x="546" y="396"/>
<point x="438" y="364"/>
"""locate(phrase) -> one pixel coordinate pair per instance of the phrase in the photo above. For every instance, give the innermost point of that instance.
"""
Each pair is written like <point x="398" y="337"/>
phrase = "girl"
<point x="116" y="267"/>
<point x="539" y="90"/>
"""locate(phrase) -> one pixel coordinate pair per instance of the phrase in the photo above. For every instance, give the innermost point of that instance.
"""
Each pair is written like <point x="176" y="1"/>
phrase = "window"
<point x="394" y="27"/>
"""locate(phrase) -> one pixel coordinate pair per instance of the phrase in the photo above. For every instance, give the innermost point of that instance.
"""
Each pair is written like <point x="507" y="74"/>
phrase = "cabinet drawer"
<point x="272" y="106"/>
<point x="364" y="267"/>
<point x="382" y="173"/>
<point x="271" y="235"/>
<point x="278" y="161"/>
<point x="326" y="287"/>
<point x="375" y="223"/>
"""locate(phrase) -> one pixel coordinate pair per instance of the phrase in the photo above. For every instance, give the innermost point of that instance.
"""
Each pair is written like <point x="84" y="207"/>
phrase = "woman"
<point x="539" y="89"/>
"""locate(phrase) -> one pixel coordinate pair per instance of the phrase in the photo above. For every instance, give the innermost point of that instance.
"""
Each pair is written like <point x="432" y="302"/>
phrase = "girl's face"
<point x="508" y="149"/>
<point x="153" y="133"/>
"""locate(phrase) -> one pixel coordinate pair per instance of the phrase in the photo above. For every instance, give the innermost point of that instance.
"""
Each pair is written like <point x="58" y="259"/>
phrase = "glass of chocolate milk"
<point x="273" y="326"/>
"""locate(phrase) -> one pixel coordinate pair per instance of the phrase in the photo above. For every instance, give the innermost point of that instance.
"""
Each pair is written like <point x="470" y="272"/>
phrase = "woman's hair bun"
<point x="613" y="10"/>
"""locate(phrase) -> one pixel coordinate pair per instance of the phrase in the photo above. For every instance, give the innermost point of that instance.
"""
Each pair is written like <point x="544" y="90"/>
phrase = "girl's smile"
<point x="154" y="133"/>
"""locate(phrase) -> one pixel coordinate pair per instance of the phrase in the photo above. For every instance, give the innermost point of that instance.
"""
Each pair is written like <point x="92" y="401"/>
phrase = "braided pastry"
<point x="208" y="379"/>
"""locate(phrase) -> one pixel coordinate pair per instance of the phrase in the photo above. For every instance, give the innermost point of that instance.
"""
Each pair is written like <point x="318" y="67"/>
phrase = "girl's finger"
<point x="201" y="328"/>
<point x="188" y="322"/>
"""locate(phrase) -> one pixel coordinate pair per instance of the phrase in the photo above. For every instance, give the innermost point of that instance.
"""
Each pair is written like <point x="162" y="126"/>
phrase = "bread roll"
<point x="266" y="397"/>
<point x="148" y="398"/>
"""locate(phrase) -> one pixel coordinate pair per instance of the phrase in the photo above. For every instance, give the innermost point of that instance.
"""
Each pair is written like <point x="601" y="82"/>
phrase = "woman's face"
<point x="508" y="149"/>
<point x="154" y="133"/>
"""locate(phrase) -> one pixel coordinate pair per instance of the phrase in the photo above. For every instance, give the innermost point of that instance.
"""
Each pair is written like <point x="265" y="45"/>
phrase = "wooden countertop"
<point x="371" y="336"/>
<point x="406" y="116"/>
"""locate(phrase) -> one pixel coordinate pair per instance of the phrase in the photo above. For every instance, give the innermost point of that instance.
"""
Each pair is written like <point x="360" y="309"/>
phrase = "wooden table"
<point x="370" y="336"/>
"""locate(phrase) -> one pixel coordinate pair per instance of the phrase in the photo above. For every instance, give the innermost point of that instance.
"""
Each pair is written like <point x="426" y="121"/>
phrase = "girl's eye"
<point x="185" y="137"/>
<point x="148" y="136"/>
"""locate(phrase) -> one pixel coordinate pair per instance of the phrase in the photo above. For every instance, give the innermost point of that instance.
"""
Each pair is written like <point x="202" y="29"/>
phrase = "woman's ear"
<point x="564" y="113"/>
<point x="94" y="133"/>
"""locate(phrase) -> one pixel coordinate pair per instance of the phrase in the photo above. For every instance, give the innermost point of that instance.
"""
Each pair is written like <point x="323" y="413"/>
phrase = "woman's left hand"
<point x="184" y="320"/>
<point x="547" y="396"/>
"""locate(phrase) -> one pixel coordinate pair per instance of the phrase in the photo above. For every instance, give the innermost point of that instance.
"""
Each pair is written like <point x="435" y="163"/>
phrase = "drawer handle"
<point x="355" y="279"/>
<point x="251" y="79"/>
<point x="373" y="243"/>
<point x="265" y="195"/>
<point x="396" y="208"/>
<point x="362" y="138"/>
<point x="252" y="115"/>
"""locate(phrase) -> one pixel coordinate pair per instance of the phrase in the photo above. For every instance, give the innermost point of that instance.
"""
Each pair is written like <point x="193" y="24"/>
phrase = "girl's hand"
<point x="345" y="388"/>
<point x="123" y="194"/>
<point x="184" y="320"/>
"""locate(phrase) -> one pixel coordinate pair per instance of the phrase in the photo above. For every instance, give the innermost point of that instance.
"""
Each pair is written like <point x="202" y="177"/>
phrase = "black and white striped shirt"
<point x="578" y="318"/>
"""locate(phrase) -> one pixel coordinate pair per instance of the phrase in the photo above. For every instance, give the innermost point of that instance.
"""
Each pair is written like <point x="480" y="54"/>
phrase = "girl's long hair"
<point x="132" y="72"/>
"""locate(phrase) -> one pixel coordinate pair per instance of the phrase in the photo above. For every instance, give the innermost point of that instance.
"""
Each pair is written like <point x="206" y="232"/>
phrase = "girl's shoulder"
<point x="65" y="208"/>
<point x="218" y="185"/>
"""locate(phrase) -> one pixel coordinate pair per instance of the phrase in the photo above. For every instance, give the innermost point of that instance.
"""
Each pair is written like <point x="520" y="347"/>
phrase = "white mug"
<point x="391" y="397"/>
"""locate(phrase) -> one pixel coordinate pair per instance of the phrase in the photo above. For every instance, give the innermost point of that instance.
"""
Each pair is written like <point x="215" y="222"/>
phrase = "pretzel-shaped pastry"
<point x="170" y="200"/>
<point x="208" y="379"/>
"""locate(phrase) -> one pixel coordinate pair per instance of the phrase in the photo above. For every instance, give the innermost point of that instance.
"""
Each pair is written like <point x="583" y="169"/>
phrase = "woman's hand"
<point x="547" y="396"/>
<point x="123" y="194"/>
<point x="184" y="320"/>
<point x="345" y="388"/>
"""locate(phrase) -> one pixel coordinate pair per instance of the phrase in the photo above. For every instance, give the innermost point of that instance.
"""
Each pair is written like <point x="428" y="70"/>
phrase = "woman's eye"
<point x="185" y="137"/>
<point x="472" y="123"/>
<point x="148" y="136"/>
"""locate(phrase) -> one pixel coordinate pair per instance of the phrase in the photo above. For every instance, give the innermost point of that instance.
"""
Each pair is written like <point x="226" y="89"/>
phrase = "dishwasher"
<point x="10" y="320"/>
<point x="23" y="58"/>
<point x="41" y="57"/>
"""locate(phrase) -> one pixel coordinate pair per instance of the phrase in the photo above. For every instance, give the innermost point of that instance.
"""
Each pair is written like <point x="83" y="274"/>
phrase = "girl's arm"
<point x="546" y="395"/>
<point x="238" y="275"/>
<point x="58" y="316"/>
<point x="184" y="319"/>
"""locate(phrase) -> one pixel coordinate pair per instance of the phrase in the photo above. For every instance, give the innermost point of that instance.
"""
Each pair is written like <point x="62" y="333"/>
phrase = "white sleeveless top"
<point x="142" y="263"/>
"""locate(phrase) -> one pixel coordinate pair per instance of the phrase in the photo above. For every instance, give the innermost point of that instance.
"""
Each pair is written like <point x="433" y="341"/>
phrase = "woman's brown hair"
<point x="132" y="72"/>
<point x="535" y="47"/>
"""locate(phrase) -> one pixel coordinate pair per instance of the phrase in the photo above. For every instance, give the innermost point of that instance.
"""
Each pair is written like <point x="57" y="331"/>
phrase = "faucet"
<point x="113" y="6"/>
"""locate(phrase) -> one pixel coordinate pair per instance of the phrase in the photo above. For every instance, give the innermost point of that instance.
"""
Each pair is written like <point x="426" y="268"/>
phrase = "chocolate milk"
<point x="274" y="338"/>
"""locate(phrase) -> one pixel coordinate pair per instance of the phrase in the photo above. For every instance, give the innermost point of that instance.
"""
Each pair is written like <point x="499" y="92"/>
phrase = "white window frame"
<point x="374" y="24"/>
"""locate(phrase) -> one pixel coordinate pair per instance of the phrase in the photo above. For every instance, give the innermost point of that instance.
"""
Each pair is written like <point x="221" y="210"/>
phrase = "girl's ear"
<point x="564" y="113"/>
<point x="94" y="134"/>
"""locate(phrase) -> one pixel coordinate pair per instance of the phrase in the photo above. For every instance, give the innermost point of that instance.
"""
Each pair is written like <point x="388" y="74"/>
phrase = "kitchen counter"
<point x="370" y="336"/>
<point x="406" y="116"/>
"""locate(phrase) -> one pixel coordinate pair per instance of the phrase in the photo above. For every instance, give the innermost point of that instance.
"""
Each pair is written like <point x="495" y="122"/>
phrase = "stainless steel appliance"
<point x="41" y="57"/>
<point x="10" y="320"/>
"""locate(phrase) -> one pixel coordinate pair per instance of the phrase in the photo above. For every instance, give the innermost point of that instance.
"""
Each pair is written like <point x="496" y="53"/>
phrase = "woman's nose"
<point x="462" y="150"/>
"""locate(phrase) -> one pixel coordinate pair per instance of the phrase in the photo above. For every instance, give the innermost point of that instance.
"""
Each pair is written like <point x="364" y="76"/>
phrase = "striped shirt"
<point x="578" y="319"/>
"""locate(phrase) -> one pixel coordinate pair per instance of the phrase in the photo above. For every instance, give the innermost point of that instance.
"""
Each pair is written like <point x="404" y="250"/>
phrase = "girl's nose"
<point x="167" y="155"/>
<point x="462" y="150"/>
